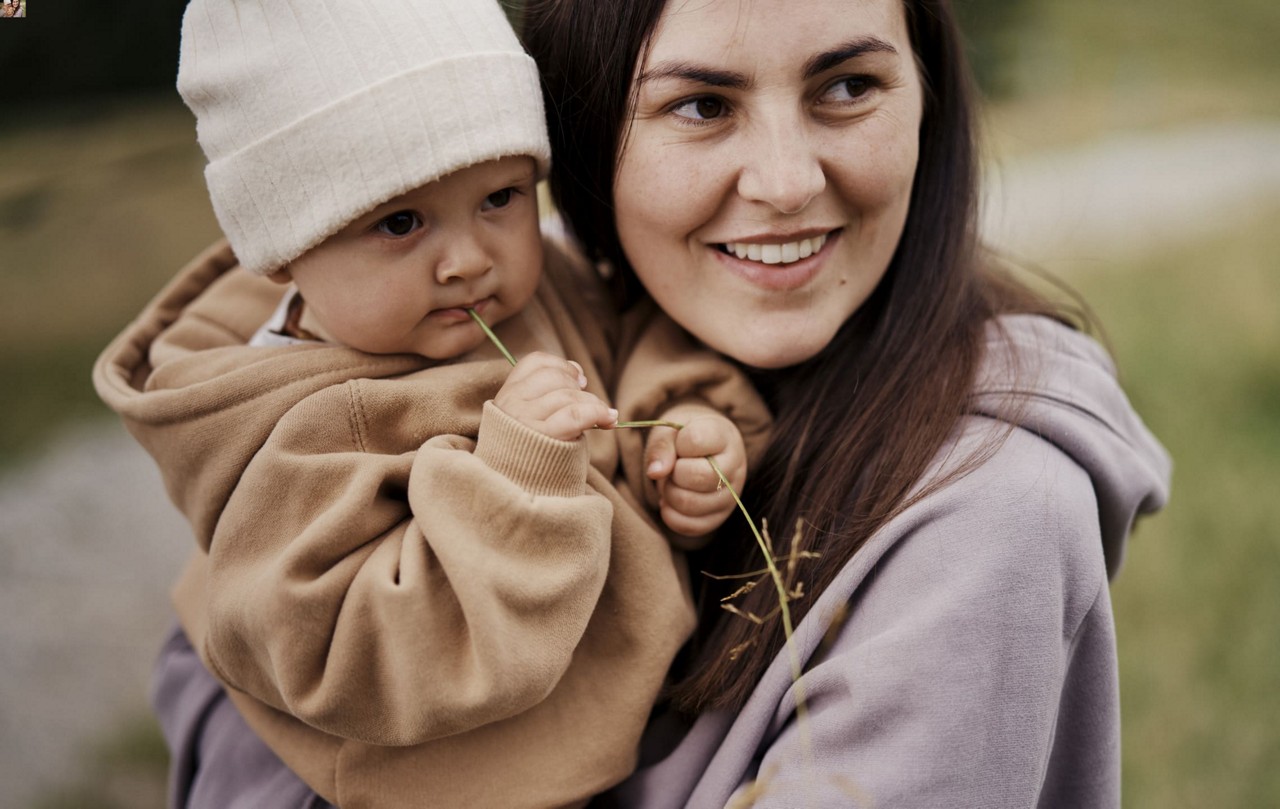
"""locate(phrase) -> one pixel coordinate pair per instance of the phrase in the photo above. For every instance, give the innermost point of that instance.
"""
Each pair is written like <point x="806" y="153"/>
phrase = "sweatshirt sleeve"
<point x="973" y="661"/>
<point x="664" y="366"/>
<point x="395" y="596"/>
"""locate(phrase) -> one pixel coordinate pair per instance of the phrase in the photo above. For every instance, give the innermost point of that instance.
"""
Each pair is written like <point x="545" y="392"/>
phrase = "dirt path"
<point x="88" y="541"/>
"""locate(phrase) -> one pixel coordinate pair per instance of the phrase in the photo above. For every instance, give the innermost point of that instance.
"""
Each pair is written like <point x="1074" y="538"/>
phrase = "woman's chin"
<point x="772" y="362"/>
<point x="770" y="351"/>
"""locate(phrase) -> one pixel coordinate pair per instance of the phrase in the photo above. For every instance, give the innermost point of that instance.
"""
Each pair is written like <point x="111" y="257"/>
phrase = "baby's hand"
<point x="692" y="501"/>
<point x="546" y="393"/>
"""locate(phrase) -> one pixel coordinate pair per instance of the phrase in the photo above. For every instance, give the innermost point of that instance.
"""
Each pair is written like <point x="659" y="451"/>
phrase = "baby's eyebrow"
<point x="699" y="74"/>
<point x="517" y="178"/>
<point x="844" y="52"/>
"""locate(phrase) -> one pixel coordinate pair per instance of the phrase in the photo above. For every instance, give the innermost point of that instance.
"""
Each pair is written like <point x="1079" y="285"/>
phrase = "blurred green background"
<point x="102" y="199"/>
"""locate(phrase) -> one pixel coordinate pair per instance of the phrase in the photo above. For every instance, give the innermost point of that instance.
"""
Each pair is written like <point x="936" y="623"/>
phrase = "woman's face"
<point x="766" y="177"/>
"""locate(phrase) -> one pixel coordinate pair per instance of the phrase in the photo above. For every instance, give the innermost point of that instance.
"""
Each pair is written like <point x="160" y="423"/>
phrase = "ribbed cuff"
<point x="539" y="464"/>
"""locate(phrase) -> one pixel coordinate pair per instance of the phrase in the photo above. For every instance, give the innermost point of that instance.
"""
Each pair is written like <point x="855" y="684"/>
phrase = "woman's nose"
<point x="781" y="169"/>
<point x="464" y="258"/>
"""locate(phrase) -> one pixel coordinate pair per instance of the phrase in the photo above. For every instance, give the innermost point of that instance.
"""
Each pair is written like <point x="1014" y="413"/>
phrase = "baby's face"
<point x="401" y="278"/>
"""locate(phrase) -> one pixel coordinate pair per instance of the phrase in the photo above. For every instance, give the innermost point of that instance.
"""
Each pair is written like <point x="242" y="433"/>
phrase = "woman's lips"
<point x="778" y="266"/>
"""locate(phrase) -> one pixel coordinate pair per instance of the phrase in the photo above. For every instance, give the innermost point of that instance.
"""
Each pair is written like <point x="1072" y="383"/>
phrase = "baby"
<point x="422" y="576"/>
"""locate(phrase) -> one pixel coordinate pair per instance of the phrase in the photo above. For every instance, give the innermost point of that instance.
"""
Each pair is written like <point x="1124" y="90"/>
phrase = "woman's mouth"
<point x="778" y="266"/>
<point x="785" y="253"/>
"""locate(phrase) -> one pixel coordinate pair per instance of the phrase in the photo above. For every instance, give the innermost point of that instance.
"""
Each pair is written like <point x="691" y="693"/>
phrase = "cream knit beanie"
<point x="313" y="112"/>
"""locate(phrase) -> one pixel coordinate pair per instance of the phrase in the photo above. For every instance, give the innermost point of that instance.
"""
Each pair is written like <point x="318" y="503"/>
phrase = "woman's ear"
<point x="282" y="275"/>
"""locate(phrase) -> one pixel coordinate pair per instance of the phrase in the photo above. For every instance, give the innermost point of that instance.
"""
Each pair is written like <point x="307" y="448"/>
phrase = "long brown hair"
<point x="858" y="425"/>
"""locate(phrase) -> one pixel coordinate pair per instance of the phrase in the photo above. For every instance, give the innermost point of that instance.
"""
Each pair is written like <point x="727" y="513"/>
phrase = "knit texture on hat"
<point x="314" y="112"/>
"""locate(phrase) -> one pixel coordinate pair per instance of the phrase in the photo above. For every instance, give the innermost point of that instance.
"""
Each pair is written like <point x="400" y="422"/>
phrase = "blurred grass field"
<point x="1080" y="69"/>
<point x="1196" y="332"/>
<point x="100" y="204"/>
<point x="1198" y="341"/>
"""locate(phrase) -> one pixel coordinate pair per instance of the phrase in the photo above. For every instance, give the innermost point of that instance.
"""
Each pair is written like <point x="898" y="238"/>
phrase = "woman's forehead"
<point x="772" y="31"/>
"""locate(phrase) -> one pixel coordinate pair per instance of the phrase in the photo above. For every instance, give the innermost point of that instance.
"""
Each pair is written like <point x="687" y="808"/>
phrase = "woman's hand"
<point x="692" y="501"/>
<point x="546" y="393"/>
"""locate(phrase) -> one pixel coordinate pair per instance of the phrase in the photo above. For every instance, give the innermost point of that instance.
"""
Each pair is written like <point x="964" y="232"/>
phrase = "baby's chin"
<point x="454" y="346"/>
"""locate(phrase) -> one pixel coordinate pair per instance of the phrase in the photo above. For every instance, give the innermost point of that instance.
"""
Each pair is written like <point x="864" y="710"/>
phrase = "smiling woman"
<point x="737" y="161"/>
<point x="794" y="183"/>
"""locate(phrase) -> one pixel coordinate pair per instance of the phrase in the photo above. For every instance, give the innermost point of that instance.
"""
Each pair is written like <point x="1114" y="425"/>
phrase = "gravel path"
<point x="88" y="546"/>
<point x="1131" y="194"/>
<point x="89" y="543"/>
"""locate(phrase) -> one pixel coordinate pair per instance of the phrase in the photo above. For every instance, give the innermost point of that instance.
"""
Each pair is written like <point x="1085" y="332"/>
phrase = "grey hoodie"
<point x="975" y="662"/>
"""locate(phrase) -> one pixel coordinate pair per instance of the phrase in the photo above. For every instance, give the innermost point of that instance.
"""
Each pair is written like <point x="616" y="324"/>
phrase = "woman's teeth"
<point x="776" y="253"/>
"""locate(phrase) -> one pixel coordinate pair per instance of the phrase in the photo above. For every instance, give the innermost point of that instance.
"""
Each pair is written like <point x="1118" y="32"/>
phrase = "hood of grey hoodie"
<point x="1060" y="384"/>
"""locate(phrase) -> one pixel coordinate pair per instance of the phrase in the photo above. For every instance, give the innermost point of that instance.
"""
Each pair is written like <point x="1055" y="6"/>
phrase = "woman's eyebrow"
<point x="844" y="52"/>
<point x="699" y="74"/>
<point x="687" y="71"/>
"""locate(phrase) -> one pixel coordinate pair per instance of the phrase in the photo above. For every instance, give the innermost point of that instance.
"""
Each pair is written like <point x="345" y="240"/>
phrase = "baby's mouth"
<point x="786" y="253"/>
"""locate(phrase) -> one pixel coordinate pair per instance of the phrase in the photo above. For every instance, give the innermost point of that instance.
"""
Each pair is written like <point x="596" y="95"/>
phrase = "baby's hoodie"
<point x="413" y="598"/>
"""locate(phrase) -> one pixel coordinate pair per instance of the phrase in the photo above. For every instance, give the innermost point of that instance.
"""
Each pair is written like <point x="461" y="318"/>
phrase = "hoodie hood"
<point x="1060" y="385"/>
<point x="202" y="401"/>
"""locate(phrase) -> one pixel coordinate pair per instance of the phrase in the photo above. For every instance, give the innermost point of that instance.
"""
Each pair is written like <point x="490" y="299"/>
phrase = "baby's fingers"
<point x="696" y="503"/>
<point x="696" y="475"/>
<point x="660" y="452"/>
<point x="694" y="513"/>
<point x="582" y="413"/>
<point x="705" y="435"/>
<point x="540" y="373"/>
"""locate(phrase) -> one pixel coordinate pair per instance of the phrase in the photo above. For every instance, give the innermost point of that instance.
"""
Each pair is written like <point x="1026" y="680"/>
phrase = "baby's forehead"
<point x="487" y="177"/>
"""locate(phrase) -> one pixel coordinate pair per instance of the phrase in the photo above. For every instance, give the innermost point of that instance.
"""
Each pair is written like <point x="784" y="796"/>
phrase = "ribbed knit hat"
<point x="314" y="112"/>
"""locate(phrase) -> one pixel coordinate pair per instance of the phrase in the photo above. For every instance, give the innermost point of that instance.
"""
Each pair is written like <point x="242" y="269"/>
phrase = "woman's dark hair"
<point x="856" y="426"/>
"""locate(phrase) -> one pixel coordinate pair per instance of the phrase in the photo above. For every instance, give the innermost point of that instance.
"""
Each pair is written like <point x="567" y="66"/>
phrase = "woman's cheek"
<point x="657" y="204"/>
<point x="655" y="212"/>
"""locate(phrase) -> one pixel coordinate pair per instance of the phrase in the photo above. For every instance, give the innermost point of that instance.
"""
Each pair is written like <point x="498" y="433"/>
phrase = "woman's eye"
<point x="499" y="199"/>
<point x="850" y="88"/>
<point x="400" y="223"/>
<point x="701" y="109"/>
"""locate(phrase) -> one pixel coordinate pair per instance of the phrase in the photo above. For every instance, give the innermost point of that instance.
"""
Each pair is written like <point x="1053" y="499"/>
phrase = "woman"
<point x="965" y="480"/>
<point x="793" y="181"/>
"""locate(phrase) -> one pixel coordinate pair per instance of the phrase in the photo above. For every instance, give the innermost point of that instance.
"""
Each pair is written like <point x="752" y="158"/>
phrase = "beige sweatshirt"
<point x="414" y="599"/>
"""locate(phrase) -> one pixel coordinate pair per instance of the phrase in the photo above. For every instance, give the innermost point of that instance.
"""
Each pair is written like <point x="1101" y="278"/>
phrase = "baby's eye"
<point x="400" y="223"/>
<point x="703" y="108"/>
<point x="498" y="199"/>
<point x="850" y="88"/>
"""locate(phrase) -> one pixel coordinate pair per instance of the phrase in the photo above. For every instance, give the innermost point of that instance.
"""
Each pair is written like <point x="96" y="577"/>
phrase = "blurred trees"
<point x="67" y="49"/>
<point x="70" y="49"/>
<point x="991" y="28"/>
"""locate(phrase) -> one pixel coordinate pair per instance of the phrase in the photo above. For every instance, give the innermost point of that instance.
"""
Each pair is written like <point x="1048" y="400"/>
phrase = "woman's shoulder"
<point x="1040" y="482"/>
<point x="1011" y="512"/>
<point x="1048" y="385"/>
<point x="1037" y="489"/>
<point x="949" y="637"/>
